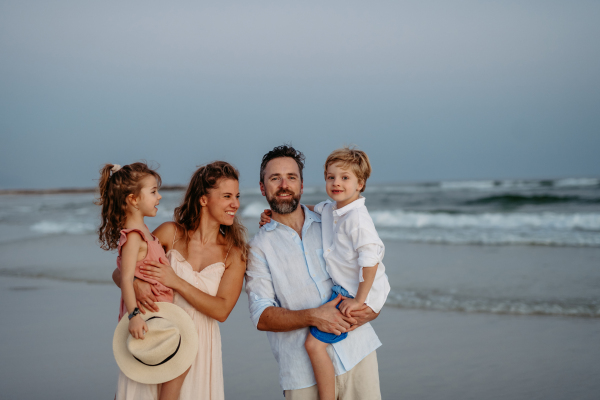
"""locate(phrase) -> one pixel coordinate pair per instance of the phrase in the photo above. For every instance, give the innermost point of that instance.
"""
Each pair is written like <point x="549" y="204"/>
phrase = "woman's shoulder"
<point x="166" y="231"/>
<point x="234" y="256"/>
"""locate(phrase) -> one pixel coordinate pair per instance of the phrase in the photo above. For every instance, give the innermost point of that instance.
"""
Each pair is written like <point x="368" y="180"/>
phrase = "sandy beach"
<point x="56" y="344"/>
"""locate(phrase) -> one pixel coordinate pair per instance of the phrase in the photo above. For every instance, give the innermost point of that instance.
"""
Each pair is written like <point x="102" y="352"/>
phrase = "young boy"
<point x="352" y="250"/>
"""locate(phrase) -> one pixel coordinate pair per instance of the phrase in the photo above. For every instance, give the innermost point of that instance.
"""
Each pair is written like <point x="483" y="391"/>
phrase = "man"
<point x="287" y="282"/>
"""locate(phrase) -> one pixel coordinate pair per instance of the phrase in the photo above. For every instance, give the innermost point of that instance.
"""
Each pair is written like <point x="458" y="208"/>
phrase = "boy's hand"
<point x="265" y="217"/>
<point x="137" y="327"/>
<point x="349" y="305"/>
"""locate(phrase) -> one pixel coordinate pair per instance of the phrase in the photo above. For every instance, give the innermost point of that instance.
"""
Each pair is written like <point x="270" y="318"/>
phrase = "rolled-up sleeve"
<point x="369" y="255"/>
<point x="259" y="285"/>
<point x="367" y="244"/>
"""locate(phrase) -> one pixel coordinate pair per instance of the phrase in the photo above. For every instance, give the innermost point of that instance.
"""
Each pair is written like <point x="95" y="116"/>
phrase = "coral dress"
<point x="204" y="381"/>
<point x="155" y="251"/>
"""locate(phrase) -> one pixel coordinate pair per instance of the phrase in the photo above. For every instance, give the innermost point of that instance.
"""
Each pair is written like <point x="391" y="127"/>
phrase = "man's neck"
<point x="294" y="220"/>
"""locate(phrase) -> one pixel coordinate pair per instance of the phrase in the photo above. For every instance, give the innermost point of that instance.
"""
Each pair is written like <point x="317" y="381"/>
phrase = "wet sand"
<point x="56" y="344"/>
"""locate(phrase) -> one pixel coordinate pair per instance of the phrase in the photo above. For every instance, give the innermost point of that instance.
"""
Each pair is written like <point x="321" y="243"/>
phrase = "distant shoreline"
<point x="4" y="192"/>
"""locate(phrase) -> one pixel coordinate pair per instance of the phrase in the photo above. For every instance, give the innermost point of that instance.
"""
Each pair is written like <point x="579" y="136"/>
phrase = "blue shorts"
<point x="331" y="337"/>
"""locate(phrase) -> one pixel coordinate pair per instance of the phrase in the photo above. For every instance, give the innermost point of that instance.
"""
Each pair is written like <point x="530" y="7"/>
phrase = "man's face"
<point x="282" y="185"/>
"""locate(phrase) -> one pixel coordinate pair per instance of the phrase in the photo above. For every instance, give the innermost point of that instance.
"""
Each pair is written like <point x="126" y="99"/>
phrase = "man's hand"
<point x="144" y="296"/>
<point x="362" y="316"/>
<point x="329" y="319"/>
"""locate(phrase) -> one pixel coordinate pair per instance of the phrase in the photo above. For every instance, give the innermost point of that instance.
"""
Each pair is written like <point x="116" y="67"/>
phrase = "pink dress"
<point x="204" y="381"/>
<point x="155" y="251"/>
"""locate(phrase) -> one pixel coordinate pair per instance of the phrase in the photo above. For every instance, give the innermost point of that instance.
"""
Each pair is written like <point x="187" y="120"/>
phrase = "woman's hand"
<point x="161" y="272"/>
<point x="265" y="217"/>
<point x="137" y="327"/>
<point x="144" y="296"/>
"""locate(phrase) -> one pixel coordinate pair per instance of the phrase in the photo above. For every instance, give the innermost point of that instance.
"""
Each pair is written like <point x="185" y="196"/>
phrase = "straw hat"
<point x="167" y="350"/>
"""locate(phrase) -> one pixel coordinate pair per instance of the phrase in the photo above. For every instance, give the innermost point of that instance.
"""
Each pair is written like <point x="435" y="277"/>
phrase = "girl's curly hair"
<point x="187" y="215"/>
<point x="114" y="189"/>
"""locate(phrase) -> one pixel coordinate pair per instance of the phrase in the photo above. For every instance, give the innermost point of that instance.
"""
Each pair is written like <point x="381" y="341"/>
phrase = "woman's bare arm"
<point x="219" y="306"/>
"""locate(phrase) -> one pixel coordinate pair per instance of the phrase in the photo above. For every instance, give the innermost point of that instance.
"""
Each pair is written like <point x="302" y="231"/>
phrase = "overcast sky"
<point x="432" y="90"/>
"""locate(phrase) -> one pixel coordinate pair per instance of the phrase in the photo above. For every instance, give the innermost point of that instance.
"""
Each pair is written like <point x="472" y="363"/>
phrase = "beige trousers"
<point x="360" y="383"/>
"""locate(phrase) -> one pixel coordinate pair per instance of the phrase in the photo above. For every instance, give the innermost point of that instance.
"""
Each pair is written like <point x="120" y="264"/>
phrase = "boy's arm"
<point x="365" y="286"/>
<point x="349" y="305"/>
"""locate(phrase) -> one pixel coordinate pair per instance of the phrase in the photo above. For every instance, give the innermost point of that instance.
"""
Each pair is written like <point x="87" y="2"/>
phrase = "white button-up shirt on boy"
<point x="287" y="271"/>
<point x="351" y="243"/>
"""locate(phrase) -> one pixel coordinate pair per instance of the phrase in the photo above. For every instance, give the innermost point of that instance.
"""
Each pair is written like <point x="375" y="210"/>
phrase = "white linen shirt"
<point x="287" y="271"/>
<point x="351" y="243"/>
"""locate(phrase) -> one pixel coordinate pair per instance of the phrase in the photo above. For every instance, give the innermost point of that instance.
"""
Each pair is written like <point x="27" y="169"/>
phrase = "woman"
<point x="206" y="249"/>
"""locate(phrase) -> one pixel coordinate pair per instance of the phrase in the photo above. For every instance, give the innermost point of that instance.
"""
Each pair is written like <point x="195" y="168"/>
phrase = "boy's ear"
<point x="361" y="185"/>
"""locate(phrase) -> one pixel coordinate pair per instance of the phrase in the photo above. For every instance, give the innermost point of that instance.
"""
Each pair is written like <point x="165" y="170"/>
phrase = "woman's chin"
<point x="228" y="221"/>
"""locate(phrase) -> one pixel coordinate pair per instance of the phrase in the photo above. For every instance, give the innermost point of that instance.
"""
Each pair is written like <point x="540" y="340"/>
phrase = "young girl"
<point x="353" y="253"/>
<point x="127" y="195"/>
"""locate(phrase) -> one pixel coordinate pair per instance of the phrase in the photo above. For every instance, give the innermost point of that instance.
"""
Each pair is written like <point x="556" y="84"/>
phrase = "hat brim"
<point x="176" y="366"/>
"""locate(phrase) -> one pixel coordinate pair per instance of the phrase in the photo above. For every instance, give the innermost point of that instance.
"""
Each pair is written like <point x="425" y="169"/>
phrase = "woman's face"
<point x="222" y="202"/>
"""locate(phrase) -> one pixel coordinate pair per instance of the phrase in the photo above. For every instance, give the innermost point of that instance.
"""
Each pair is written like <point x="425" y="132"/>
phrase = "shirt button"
<point x="335" y="222"/>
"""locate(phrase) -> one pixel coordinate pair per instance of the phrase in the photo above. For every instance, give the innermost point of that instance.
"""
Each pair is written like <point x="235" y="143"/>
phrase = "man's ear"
<point x="262" y="189"/>
<point x="302" y="187"/>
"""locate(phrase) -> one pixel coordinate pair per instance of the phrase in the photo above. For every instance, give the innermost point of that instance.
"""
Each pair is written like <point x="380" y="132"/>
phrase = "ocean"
<point x="524" y="247"/>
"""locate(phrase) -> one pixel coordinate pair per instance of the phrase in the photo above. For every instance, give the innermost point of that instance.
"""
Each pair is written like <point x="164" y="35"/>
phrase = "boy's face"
<point x="342" y="185"/>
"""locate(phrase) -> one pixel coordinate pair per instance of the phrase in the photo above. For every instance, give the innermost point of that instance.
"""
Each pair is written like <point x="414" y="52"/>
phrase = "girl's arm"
<point x="129" y="256"/>
<point x="143" y="292"/>
<point x="217" y="307"/>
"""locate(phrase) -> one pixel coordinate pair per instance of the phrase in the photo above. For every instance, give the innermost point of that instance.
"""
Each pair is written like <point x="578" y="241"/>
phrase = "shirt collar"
<point x="338" y="212"/>
<point x="309" y="217"/>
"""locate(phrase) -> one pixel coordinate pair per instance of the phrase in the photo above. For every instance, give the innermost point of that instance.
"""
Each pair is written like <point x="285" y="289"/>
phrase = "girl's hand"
<point x="161" y="272"/>
<point x="265" y="217"/>
<point x="137" y="327"/>
<point x="349" y="305"/>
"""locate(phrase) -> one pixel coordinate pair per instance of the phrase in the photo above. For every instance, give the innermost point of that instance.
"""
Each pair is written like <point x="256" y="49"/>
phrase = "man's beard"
<point x="284" y="206"/>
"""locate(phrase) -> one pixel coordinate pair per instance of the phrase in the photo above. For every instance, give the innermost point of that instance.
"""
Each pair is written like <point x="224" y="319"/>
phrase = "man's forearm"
<point x="277" y="319"/>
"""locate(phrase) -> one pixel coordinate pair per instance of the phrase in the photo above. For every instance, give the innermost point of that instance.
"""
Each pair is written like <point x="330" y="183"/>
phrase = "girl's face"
<point x="342" y="185"/>
<point x="222" y="202"/>
<point x="149" y="197"/>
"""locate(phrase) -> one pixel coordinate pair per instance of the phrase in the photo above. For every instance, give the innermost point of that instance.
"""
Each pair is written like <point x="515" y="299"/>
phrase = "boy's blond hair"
<point x="353" y="159"/>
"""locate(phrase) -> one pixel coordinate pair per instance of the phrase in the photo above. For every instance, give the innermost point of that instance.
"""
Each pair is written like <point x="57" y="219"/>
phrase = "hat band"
<point x="166" y="359"/>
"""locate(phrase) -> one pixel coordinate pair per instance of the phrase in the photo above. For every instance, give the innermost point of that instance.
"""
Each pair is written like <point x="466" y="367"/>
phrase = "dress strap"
<point x="174" y="236"/>
<point x="228" y="250"/>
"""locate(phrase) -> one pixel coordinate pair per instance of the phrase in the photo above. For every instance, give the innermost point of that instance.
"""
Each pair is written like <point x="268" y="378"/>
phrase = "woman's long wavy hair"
<point x="114" y="189"/>
<point x="187" y="215"/>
